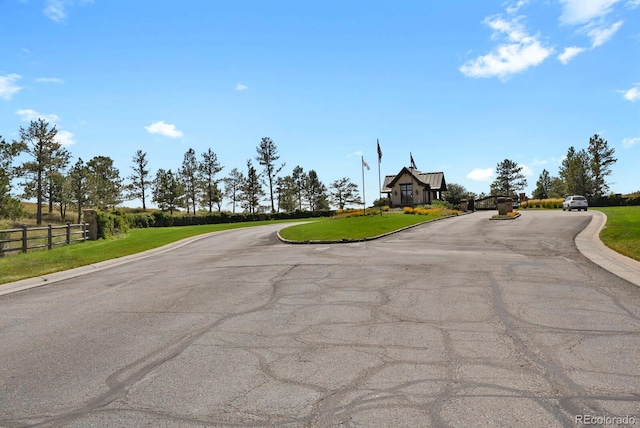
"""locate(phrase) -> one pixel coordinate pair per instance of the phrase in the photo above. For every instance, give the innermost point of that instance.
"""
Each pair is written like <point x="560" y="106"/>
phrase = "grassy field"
<point x="622" y="232"/>
<point x="353" y="228"/>
<point x="42" y="262"/>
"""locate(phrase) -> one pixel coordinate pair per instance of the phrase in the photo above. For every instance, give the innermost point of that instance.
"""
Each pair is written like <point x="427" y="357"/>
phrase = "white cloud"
<point x="569" y="53"/>
<point x="56" y="10"/>
<point x="519" y="52"/>
<point x="166" y="129"/>
<point x="627" y="143"/>
<point x="576" y="12"/>
<point x="600" y="36"/>
<point x="8" y="87"/>
<point x="632" y="94"/>
<point x="526" y="170"/>
<point x="537" y="162"/>
<point x="632" y="4"/>
<point x="480" y="174"/>
<point x="516" y="7"/>
<point x="28" y="115"/>
<point x="49" y="80"/>
<point x="241" y="87"/>
<point x="65" y="138"/>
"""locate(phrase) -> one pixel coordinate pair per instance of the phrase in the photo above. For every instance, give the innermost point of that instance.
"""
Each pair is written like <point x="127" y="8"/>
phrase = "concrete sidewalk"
<point x="589" y="244"/>
<point x="587" y="241"/>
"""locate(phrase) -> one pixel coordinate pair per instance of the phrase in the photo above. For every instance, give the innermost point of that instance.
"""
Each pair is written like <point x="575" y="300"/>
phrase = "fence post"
<point x="49" y="236"/>
<point x="84" y="231"/>
<point x="24" y="238"/>
<point x="68" y="233"/>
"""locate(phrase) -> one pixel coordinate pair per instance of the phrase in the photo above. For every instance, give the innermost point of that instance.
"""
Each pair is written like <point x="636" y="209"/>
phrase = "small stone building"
<point x="411" y="187"/>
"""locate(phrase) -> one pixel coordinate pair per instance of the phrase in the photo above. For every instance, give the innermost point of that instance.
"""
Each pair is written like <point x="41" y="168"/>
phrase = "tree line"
<point x="582" y="172"/>
<point x="49" y="177"/>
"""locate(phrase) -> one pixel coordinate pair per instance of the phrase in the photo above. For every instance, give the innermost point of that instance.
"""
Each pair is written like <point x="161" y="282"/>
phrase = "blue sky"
<point x="462" y="85"/>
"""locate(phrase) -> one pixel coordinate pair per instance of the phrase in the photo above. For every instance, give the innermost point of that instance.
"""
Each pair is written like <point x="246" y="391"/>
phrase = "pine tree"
<point x="47" y="155"/>
<point x="510" y="179"/>
<point x="267" y="156"/>
<point x="208" y="168"/>
<point x="601" y="160"/>
<point x="140" y="183"/>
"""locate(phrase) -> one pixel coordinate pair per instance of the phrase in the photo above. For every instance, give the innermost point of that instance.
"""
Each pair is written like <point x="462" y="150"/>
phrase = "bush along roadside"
<point x="116" y="222"/>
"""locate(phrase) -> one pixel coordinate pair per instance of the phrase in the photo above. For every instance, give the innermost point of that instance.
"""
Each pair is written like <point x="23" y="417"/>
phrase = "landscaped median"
<point x="358" y="228"/>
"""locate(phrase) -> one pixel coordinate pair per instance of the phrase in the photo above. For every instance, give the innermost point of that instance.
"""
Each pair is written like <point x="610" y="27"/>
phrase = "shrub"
<point x="550" y="203"/>
<point x="407" y="210"/>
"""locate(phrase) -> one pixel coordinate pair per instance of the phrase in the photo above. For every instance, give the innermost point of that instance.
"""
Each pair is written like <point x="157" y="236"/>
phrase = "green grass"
<point x="622" y="231"/>
<point x="42" y="262"/>
<point x="353" y="228"/>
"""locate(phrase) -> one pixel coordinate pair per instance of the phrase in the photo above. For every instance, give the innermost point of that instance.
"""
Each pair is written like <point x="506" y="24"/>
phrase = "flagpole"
<point x="379" y="182"/>
<point x="364" y="203"/>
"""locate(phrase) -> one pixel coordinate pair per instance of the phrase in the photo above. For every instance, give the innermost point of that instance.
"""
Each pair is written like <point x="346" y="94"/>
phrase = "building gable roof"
<point x="435" y="180"/>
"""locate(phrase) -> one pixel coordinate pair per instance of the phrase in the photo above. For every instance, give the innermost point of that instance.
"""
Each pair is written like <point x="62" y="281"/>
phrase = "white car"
<point x="575" y="202"/>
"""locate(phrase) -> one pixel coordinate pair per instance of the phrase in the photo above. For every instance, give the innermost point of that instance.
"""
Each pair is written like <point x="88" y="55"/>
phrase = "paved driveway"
<point x="460" y="322"/>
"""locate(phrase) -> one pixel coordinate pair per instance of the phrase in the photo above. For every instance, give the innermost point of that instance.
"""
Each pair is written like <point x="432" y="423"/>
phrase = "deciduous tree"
<point x="455" y="193"/>
<point x="343" y="192"/>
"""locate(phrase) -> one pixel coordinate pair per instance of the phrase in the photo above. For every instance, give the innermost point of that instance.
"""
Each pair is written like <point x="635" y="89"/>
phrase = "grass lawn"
<point x="622" y="232"/>
<point x="352" y="227"/>
<point x="42" y="262"/>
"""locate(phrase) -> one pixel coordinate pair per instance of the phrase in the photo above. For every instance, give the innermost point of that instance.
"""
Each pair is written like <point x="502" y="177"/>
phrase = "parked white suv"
<point x="575" y="202"/>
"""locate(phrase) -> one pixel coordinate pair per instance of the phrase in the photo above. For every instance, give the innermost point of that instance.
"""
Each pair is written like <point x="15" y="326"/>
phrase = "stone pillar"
<point x="505" y="205"/>
<point x="91" y="217"/>
<point x="464" y="205"/>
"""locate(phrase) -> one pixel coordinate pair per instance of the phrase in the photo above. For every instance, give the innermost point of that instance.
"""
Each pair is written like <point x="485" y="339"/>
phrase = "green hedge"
<point x="111" y="223"/>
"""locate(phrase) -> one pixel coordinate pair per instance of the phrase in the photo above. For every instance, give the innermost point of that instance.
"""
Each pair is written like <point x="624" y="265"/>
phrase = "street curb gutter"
<point x="589" y="244"/>
<point x="370" y="238"/>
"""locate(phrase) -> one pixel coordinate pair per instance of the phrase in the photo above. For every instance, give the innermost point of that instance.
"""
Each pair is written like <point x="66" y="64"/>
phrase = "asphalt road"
<point x="462" y="322"/>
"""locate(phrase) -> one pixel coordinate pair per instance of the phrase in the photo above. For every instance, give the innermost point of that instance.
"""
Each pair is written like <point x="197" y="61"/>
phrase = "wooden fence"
<point x="31" y="238"/>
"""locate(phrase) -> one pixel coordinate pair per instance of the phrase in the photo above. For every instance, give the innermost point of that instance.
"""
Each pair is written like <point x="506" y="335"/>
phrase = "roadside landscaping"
<point x="622" y="231"/>
<point x="359" y="227"/>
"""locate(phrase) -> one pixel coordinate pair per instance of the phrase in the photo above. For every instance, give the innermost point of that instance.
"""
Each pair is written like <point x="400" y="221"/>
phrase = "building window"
<point x="406" y="194"/>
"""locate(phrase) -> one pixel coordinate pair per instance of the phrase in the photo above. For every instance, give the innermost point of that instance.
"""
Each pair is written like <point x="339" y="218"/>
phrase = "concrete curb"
<point x="589" y="244"/>
<point x="370" y="238"/>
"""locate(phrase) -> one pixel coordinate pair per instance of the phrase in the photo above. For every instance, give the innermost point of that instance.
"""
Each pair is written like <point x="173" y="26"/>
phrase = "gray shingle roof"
<point x="434" y="179"/>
